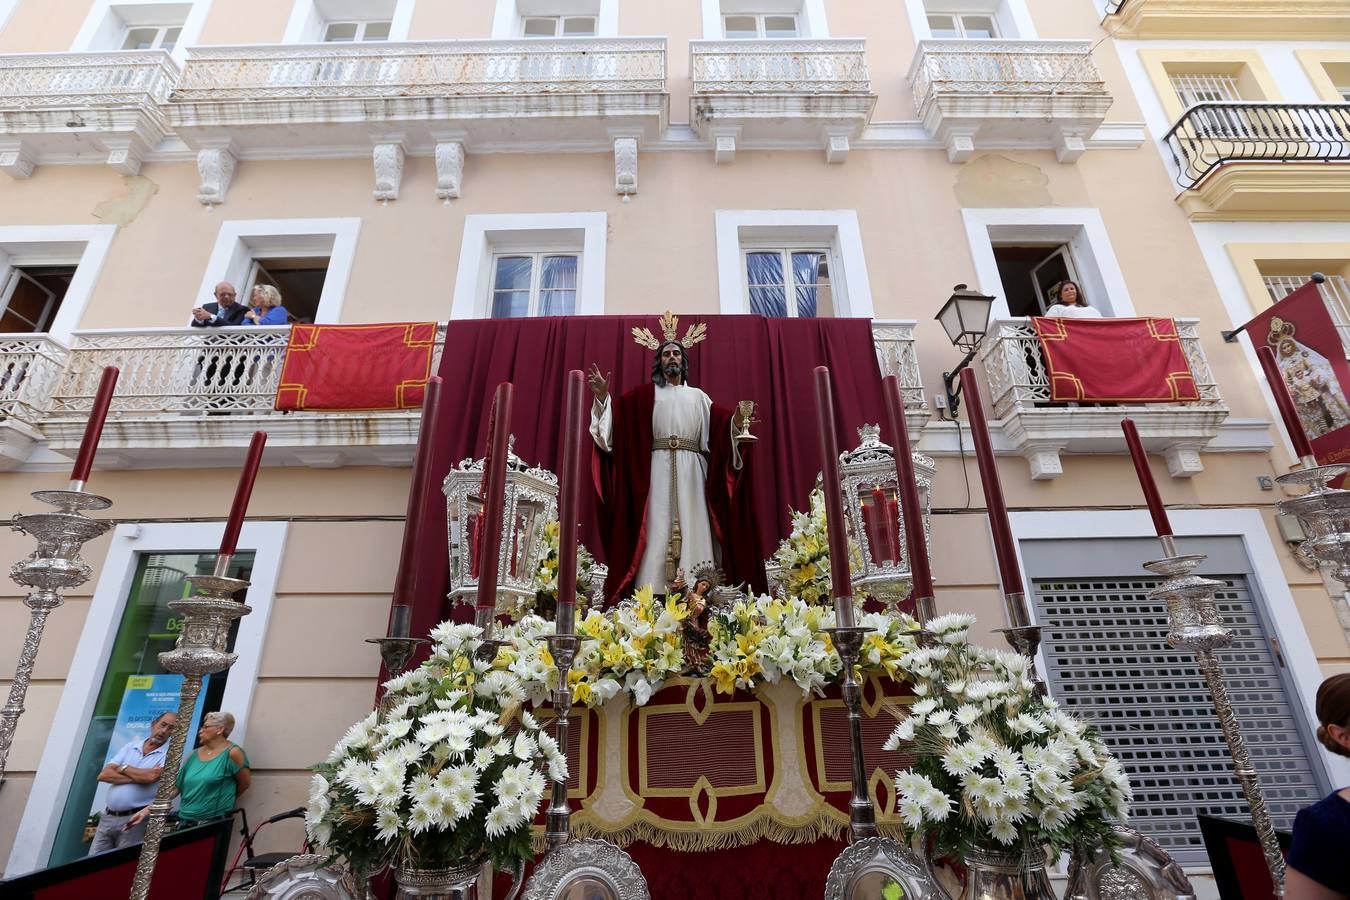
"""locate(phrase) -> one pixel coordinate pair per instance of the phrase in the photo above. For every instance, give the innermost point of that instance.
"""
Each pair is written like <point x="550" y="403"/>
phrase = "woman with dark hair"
<point x="1318" y="866"/>
<point x="1070" y="302"/>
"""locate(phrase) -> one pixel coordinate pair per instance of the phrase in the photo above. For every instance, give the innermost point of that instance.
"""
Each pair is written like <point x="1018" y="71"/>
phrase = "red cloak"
<point x="623" y="481"/>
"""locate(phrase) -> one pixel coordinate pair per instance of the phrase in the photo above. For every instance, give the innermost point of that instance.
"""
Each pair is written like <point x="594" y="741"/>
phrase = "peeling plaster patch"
<point x="1000" y="183"/>
<point x="123" y="209"/>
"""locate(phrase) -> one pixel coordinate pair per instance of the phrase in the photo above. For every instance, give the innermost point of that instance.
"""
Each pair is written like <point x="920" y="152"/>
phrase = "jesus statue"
<point x="662" y="514"/>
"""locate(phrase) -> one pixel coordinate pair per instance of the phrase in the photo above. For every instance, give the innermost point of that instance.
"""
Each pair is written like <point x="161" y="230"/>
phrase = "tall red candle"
<point x="1292" y="423"/>
<point x="840" y="583"/>
<point x="1151" y="496"/>
<point x="569" y="498"/>
<point x="229" y="542"/>
<point x="1008" y="568"/>
<point x="873" y="508"/>
<point x="421" y="487"/>
<point x="84" y="460"/>
<point x="891" y="523"/>
<point x="495" y="501"/>
<point x="910" y="509"/>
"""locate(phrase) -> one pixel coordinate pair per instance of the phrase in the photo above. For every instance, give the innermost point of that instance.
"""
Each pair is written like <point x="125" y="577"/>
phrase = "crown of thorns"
<point x="670" y="324"/>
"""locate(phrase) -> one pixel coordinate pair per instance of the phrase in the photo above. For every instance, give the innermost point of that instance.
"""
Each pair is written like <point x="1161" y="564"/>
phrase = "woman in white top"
<point x="1070" y="303"/>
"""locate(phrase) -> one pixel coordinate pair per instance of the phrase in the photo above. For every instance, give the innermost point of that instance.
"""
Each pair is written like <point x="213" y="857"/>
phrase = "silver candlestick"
<point x="54" y="566"/>
<point x="1195" y="624"/>
<point x="848" y="641"/>
<point x="1324" y="513"/>
<point x="564" y="649"/>
<point x="207" y="618"/>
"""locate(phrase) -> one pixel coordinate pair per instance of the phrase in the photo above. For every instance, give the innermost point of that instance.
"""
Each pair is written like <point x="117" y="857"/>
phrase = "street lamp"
<point x="965" y="318"/>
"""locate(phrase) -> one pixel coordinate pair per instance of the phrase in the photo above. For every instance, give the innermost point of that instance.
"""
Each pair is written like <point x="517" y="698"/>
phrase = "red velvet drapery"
<point x="769" y="361"/>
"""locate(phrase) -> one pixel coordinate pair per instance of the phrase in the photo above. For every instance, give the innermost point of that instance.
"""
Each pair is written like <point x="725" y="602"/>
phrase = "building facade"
<point x="401" y="160"/>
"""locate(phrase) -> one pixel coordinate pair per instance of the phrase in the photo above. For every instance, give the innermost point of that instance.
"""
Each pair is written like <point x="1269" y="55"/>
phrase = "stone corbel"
<point x="215" y="165"/>
<point x="724" y="143"/>
<point x="960" y="144"/>
<point x="625" y="166"/>
<point x="449" y="169"/>
<point x="124" y="155"/>
<point x="1183" y="460"/>
<point x="388" y="159"/>
<point x="1069" y="145"/>
<point x="836" y="146"/>
<point x="16" y="160"/>
<point x="1043" y="458"/>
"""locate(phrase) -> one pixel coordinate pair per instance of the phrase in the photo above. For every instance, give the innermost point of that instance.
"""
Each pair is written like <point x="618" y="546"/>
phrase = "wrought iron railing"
<point x="1210" y="134"/>
<point x="894" y="343"/>
<point x="1115" y="6"/>
<point x="30" y="367"/>
<point x="76" y="80"/>
<point x="181" y="371"/>
<point x="981" y="67"/>
<point x="1011" y="355"/>
<point x="423" y="68"/>
<point x="808" y="66"/>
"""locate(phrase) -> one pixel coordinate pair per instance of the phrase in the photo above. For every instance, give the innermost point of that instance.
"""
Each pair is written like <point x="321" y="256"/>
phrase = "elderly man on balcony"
<point x="225" y="311"/>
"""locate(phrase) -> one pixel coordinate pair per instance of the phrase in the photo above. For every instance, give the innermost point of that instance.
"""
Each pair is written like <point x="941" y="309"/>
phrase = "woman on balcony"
<point x="1070" y="303"/>
<point x="266" y="307"/>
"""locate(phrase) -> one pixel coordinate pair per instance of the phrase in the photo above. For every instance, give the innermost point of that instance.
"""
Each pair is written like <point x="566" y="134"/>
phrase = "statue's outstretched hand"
<point x="599" y="383"/>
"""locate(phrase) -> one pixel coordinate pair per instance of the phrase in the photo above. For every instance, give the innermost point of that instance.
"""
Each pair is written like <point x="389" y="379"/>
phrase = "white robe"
<point x="685" y="412"/>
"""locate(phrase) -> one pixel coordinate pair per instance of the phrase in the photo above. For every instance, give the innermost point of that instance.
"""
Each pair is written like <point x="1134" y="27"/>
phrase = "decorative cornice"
<point x="1271" y="192"/>
<point x="1312" y="20"/>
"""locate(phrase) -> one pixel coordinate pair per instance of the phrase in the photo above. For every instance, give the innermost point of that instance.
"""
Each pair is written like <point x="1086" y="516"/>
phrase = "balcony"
<point x="1263" y="161"/>
<point x="991" y="94"/>
<point x="809" y="93"/>
<point x="1020" y="394"/>
<point x="490" y="95"/>
<point x="189" y="396"/>
<point x="1275" y="20"/>
<point x="894" y="343"/>
<point x="82" y="108"/>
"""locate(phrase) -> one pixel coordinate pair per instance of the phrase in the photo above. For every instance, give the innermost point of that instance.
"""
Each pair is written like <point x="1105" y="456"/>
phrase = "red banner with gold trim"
<point x="1115" y="360"/>
<point x="356" y="368"/>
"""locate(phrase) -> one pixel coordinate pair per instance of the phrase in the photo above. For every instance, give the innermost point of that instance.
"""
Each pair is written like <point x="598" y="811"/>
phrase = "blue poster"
<point x="145" y="699"/>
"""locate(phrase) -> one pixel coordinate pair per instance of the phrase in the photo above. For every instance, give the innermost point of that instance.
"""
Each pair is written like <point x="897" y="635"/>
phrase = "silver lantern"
<point x="1324" y="513"/>
<point x="531" y="502"/>
<point x="871" y="493"/>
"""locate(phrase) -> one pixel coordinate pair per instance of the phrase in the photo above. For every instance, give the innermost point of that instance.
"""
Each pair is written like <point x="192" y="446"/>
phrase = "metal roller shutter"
<point x="1108" y="661"/>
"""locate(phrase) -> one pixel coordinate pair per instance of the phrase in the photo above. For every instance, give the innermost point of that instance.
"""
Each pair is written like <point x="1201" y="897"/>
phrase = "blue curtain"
<point x="764" y="273"/>
<point x="511" y="287"/>
<point x="558" y="286"/>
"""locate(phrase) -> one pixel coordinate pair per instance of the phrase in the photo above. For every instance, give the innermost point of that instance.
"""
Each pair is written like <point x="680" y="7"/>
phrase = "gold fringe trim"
<point x="825" y="823"/>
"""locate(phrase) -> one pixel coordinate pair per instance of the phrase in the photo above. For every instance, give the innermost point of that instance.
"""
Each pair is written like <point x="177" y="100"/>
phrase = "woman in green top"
<point x="211" y="777"/>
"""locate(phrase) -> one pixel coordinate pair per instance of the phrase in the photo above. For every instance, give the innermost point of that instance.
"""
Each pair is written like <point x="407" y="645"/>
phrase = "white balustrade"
<point x="983" y="68"/>
<point x="808" y="66"/>
<point x="894" y="343"/>
<point x="75" y="80"/>
<point x="30" y="367"/>
<point x="178" y="371"/>
<point x="423" y="68"/>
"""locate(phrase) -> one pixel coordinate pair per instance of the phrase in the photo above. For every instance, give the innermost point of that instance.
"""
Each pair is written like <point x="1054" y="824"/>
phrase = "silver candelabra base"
<point x="53" y="567"/>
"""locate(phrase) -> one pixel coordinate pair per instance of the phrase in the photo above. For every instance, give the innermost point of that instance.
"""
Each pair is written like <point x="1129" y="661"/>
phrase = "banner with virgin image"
<point x="1311" y="355"/>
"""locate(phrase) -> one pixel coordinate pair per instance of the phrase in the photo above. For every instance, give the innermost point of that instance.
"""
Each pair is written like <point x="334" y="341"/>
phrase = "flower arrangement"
<point x="448" y="771"/>
<point x="768" y="639"/>
<point x="995" y="763"/>
<point x="546" y="575"/>
<point x="804" y="555"/>
<point x="636" y="647"/>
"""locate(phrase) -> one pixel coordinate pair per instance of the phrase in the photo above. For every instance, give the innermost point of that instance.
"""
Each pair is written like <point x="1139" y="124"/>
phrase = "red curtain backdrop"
<point x="1311" y="356"/>
<point x="1115" y="360"/>
<point x="356" y="367"/>
<point x="769" y="361"/>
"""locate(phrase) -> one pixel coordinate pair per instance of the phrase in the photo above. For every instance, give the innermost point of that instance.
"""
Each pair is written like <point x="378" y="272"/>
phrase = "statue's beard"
<point x="672" y="371"/>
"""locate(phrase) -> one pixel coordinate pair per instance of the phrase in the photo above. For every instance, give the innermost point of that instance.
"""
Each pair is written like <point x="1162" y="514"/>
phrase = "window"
<point x="1335" y="293"/>
<point x="349" y="32"/>
<point x="962" y="25"/>
<point x="133" y="687"/>
<point x="299" y="279"/>
<point x="1030" y="274"/>
<point x="30" y="297"/>
<point x="152" y="37"/>
<point x="760" y="25"/>
<point x="1206" y="88"/>
<point x="792" y="282"/>
<point x="534" y="284"/>
<point x="558" y="26"/>
<point x="1344" y="91"/>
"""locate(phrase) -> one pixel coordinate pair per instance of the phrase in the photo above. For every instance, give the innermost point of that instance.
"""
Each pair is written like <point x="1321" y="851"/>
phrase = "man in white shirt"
<point x="134" y="775"/>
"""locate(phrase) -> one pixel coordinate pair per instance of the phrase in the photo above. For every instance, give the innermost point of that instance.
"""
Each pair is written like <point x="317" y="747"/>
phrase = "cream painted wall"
<point x="39" y="26"/>
<point x="246" y="22"/>
<point x="445" y="19"/>
<point x="679" y="23"/>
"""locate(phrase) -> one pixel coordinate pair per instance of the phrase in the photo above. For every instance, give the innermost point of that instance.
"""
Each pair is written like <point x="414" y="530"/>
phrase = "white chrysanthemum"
<point x="936" y="805"/>
<point x="1052" y="816"/>
<point x="951" y="622"/>
<point x="1006" y="761"/>
<point x="420" y="819"/>
<point x="967" y="714"/>
<point x="512" y="782"/>
<point x="528" y="721"/>
<point x="951" y="731"/>
<point x="940" y="718"/>
<point x="525" y="746"/>
<point x="499" y="820"/>
<point x="1003" y="832"/>
<point x="1025" y="723"/>
<point x="421" y="788"/>
<point x="961" y="759"/>
<point x="984" y="790"/>
<point x="388" y="822"/>
<point x="903" y="733"/>
<point x="911" y="813"/>
<point x="923" y="707"/>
